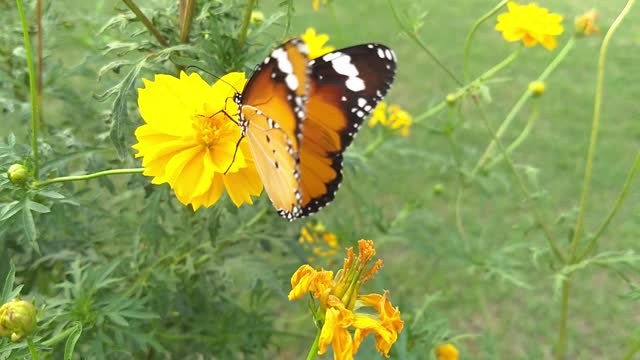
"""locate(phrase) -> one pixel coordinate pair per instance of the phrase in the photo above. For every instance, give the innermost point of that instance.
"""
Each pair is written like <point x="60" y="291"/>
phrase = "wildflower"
<point x="18" y="174"/>
<point x="537" y="87"/>
<point x="316" y="5"/>
<point x="189" y="141"/>
<point x="446" y="352"/>
<point x="392" y="117"/>
<point x="451" y="99"/>
<point x="315" y="238"/>
<point x="531" y="24"/>
<point x="257" y="17"/>
<point x="316" y="43"/>
<point x="340" y="304"/>
<point x="17" y="319"/>
<point x="585" y="24"/>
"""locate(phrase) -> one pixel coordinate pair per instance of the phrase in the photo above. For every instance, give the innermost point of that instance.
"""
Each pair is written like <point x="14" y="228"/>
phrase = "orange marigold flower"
<point x="189" y="142"/>
<point x="344" y="326"/>
<point x="446" y="352"/>
<point x="530" y="24"/>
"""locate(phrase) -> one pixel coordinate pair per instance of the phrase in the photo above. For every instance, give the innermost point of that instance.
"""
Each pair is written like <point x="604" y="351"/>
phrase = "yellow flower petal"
<point x="531" y="24"/>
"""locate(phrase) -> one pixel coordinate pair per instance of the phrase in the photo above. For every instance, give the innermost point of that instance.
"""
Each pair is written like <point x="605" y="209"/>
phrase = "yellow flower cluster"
<point x="190" y="139"/>
<point x="315" y="238"/>
<point x="342" y="309"/>
<point x="530" y="24"/>
<point x="391" y="117"/>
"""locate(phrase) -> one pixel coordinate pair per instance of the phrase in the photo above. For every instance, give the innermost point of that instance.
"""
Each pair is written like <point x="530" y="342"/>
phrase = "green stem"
<point x="417" y="40"/>
<point x="32" y="348"/>
<point x="520" y="139"/>
<point x="632" y="350"/>
<point x="245" y="23"/>
<point x="313" y="351"/>
<point x="551" y="240"/>
<point x="40" y="55"/>
<point x="595" y="127"/>
<point x="561" y="350"/>
<point x="564" y="317"/>
<point x="467" y="45"/>
<point x="614" y="210"/>
<point x="147" y="23"/>
<point x="374" y="145"/>
<point x="32" y="89"/>
<point x="520" y="103"/>
<point x="462" y="91"/>
<point x="88" y="176"/>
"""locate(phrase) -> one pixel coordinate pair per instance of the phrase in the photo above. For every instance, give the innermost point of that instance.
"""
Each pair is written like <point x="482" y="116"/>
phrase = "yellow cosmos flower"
<point x="316" y="43"/>
<point x="530" y="24"/>
<point x="315" y="238"/>
<point x="446" y="352"/>
<point x="189" y="142"/>
<point x="585" y="24"/>
<point x="344" y="325"/>
<point x="391" y="117"/>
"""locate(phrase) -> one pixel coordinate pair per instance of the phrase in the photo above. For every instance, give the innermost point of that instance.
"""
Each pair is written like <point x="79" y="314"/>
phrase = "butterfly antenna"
<point x="214" y="75"/>
<point x="234" y="155"/>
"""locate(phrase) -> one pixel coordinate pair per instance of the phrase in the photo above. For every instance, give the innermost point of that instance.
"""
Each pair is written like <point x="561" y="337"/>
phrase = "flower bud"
<point x="585" y="24"/>
<point x="257" y="17"/>
<point x="18" y="174"/>
<point x="446" y="352"/>
<point x="451" y="99"/>
<point x="438" y="188"/>
<point x="17" y="319"/>
<point x="537" y="87"/>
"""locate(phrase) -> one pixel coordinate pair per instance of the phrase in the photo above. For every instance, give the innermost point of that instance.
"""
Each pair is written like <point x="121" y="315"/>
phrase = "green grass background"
<point x="423" y="252"/>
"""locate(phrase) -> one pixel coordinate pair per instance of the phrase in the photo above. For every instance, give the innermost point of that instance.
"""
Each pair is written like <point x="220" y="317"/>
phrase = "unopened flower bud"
<point x="451" y="99"/>
<point x="585" y="24"/>
<point x="537" y="87"/>
<point x="17" y="319"/>
<point x="438" y="188"/>
<point x="18" y="174"/>
<point x="257" y="17"/>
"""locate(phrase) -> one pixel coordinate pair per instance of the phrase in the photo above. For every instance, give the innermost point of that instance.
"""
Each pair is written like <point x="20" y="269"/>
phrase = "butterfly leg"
<point x="235" y="152"/>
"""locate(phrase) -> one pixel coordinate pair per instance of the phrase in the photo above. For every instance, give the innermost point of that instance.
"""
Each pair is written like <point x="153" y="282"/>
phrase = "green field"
<point x="467" y="264"/>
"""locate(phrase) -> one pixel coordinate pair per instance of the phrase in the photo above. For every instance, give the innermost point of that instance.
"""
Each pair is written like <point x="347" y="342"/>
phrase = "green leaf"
<point x="51" y="194"/>
<point x="9" y="209"/>
<point x="119" y="113"/>
<point x="70" y="345"/>
<point x="8" y="283"/>
<point x="29" y="226"/>
<point x="37" y="207"/>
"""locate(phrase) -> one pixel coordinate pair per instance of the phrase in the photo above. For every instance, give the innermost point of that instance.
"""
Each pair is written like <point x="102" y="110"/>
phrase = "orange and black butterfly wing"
<point x="346" y="85"/>
<point x="272" y="108"/>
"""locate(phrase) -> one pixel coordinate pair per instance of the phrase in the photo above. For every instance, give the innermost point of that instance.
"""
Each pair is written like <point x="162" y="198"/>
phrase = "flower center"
<point x="207" y="128"/>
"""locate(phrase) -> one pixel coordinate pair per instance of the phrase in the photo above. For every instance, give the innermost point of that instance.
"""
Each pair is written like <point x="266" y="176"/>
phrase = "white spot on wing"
<point x="292" y="82"/>
<point x="380" y="53"/>
<point x="343" y="66"/>
<point x="355" y="84"/>
<point x="362" y="102"/>
<point x="331" y="56"/>
<point x="388" y="53"/>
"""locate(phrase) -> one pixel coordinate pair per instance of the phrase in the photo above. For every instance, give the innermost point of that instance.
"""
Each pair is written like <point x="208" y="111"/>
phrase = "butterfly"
<point x="300" y="114"/>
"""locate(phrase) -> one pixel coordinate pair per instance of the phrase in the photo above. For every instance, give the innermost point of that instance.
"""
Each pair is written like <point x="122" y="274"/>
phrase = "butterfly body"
<point x="299" y="115"/>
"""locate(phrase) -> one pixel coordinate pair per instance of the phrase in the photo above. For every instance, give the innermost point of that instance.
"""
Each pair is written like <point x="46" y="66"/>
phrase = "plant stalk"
<point x="467" y="44"/>
<point x="32" y="90"/>
<point x="88" y="176"/>
<point x="187" y="9"/>
<point x="147" y="23"/>
<point x="245" y="23"/>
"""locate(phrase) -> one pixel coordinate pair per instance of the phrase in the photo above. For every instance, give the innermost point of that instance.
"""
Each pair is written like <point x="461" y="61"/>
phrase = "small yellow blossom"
<point x="316" y="43"/>
<point x="17" y="319"/>
<point x="585" y="24"/>
<point x="315" y="238"/>
<point x="392" y="117"/>
<point x="316" y="5"/>
<point x="189" y="141"/>
<point x="344" y="326"/>
<point x="537" y="87"/>
<point x="446" y="352"/>
<point x="530" y="24"/>
<point x="257" y="17"/>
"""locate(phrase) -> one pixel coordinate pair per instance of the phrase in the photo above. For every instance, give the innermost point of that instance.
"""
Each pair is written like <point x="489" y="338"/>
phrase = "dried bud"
<point x="537" y="87"/>
<point x="18" y="174"/>
<point x="17" y="319"/>
<point x="585" y="24"/>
